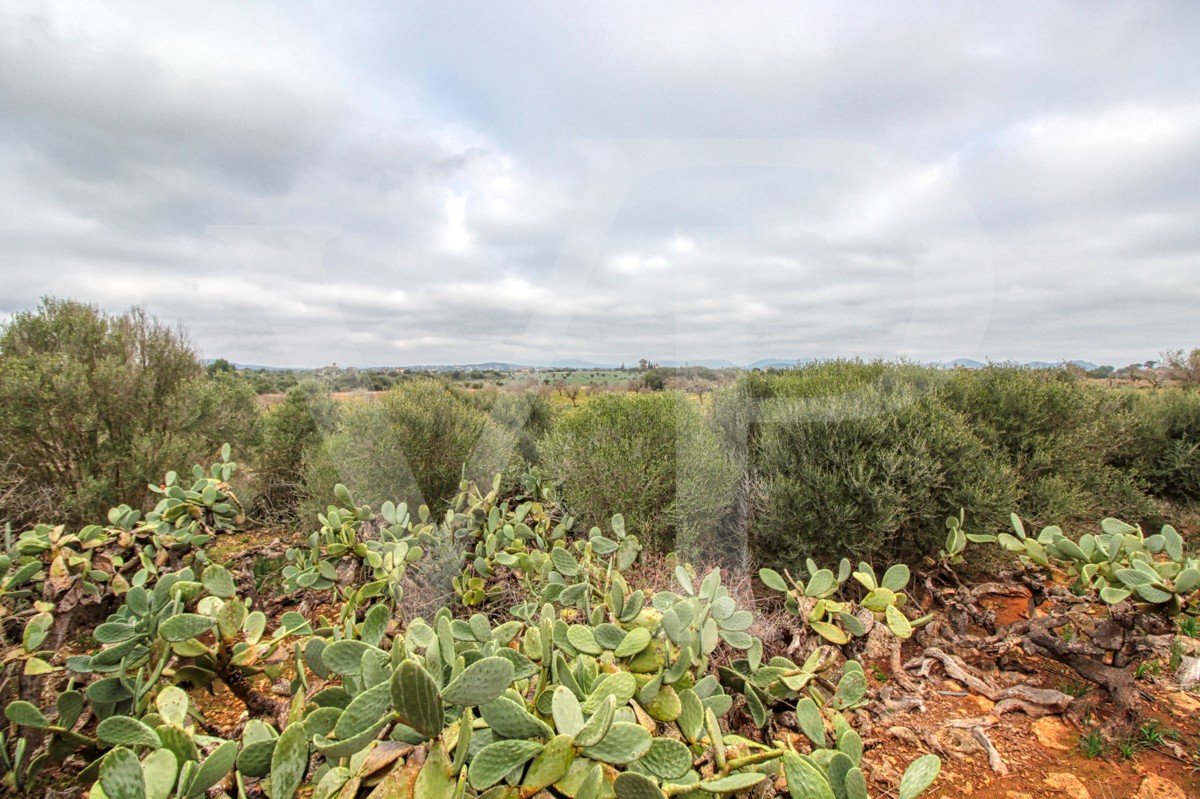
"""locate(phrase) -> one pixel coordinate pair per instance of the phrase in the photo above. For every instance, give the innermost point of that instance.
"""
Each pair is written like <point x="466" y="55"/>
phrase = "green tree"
<point x="92" y="406"/>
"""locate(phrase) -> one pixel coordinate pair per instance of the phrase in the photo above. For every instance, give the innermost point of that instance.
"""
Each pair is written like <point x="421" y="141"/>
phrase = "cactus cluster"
<point x="1120" y="563"/>
<point x="588" y="688"/>
<point x="823" y="602"/>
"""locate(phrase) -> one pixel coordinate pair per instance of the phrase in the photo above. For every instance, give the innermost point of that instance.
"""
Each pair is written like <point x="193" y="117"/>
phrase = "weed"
<point x="1147" y="669"/>
<point x="1153" y="734"/>
<point x="1092" y="743"/>
<point x="1190" y="626"/>
<point x="1127" y="747"/>
<point x="879" y="673"/>
<point x="1075" y="688"/>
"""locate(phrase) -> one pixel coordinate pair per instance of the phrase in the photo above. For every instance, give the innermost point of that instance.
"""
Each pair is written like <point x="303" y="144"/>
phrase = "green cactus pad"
<point x="495" y="760"/>
<point x="255" y="758"/>
<point x="121" y="775"/>
<point x="634" y="642"/>
<point x="333" y="748"/>
<point x="289" y="761"/>
<point x="416" y="700"/>
<point x="213" y="769"/>
<point x="804" y="780"/>
<point x="856" y="784"/>
<point x="160" y="770"/>
<point x="732" y="783"/>
<point x="665" y="706"/>
<point x="26" y="714"/>
<point x="480" y="683"/>
<point x="850" y="743"/>
<point x="568" y="716"/>
<point x="434" y="780"/>
<point x="919" y="775"/>
<point x="583" y="639"/>
<point x="623" y="743"/>
<point x="609" y="636"/>
<point x="667" y="758"/>
<point x="183" y="626"/>
<point x="621" y="685"/>
<point x="691" y="715"/>
<point x="179" y="742"/>
<point x="551" y="764"/>
<point x="345" y="657"/>
<point x="363" y="711"/>
<point x="510" y="719"/>
<point x="126" y="731"/>
<point x="598" y="725"/>
<point x="631" y="785"/>
<point x="809" y="719"/>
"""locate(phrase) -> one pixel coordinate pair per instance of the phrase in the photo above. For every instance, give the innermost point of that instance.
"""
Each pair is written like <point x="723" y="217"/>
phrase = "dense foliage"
<point x="649" y="456"/>
<point x="92" y="404"/>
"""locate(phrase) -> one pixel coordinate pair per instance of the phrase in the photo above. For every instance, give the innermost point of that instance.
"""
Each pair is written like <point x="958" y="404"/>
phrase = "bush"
<point x="1067" y="441"/>
<point x="95" y="405"/>
<point x="412" y="444"/>
<point x="1167" y="449"/>
<point x="292" y="432"/>
<point x="858" y="460"/>
<point x="649" y="456"/>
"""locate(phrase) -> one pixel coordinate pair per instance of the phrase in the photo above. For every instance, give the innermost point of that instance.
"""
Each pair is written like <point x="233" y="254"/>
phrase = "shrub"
<point x="1066" y="440"/>
<point x="857" y="459"/>
<point x="95" y="405"/>
<point x="291" y="433"/>
<point x="1167" y="449"/>
<point x="411" y="444"/>
<point x="650" y="456"/>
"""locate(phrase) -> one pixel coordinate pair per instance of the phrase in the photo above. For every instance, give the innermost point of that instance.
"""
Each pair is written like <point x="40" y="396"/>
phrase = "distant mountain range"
<point x="711" y="363"/>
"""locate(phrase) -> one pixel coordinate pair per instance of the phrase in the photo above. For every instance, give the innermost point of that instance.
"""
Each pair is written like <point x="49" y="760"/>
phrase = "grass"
<point x="1091" y="743"/>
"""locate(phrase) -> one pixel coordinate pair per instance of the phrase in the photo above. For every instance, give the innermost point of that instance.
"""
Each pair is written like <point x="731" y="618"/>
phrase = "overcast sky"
<point x="299" y="184"/>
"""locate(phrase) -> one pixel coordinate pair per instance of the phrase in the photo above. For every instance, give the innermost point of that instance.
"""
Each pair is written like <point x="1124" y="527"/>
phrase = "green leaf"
<point x="126" y="731"/>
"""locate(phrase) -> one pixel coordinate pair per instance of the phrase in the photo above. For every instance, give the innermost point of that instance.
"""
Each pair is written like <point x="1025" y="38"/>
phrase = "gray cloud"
<point x="529" y="181"/>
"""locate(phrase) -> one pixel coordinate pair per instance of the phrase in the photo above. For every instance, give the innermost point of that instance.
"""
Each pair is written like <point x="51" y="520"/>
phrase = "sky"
<point x="299" y="184"/>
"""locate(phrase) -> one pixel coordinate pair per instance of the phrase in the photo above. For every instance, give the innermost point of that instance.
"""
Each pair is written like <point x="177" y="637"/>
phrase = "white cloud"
<point x="463" y="183"/>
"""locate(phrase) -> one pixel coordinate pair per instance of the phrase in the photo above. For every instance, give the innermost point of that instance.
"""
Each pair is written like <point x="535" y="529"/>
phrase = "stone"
<point x="1051" y="733"/>
<point x="1188" y="674"/>
<point x="1156" y="787"/>
<point x="1068" y="785"/>
<point x="985" y="705"/>
<point x="1183" y="704"/>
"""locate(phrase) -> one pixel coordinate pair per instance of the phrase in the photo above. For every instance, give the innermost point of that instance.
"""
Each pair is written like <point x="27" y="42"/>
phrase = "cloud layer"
<point x="299" y="184"/>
